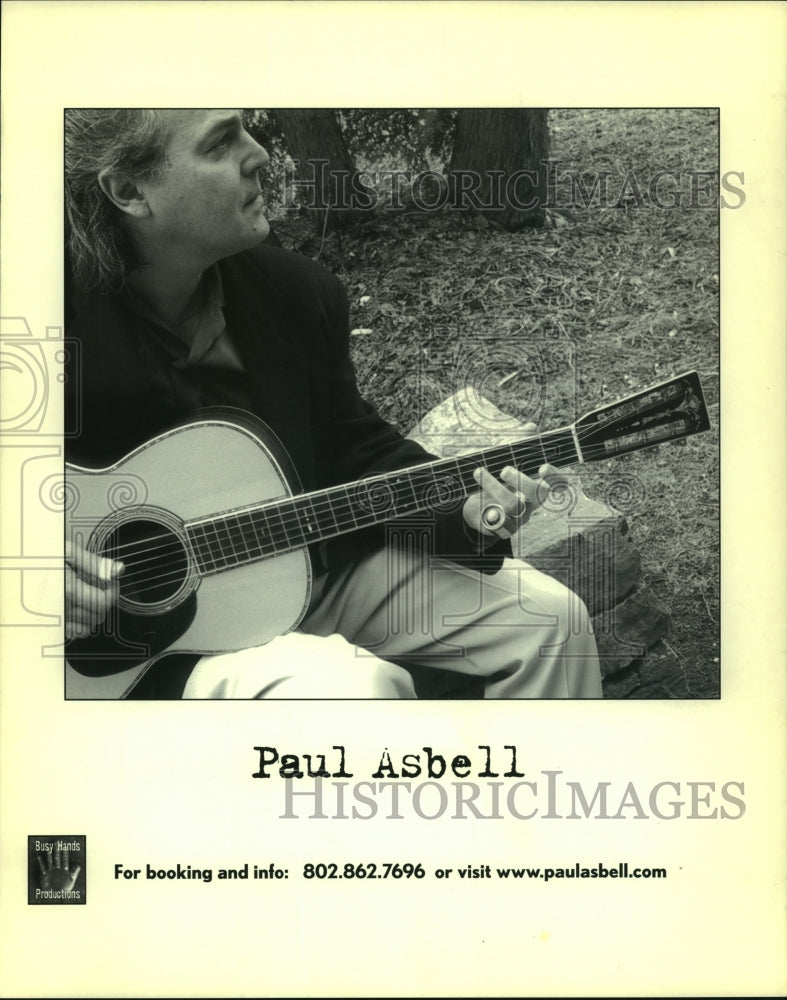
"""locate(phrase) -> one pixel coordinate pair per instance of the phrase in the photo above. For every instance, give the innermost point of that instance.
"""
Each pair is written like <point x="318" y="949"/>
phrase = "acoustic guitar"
<point x="214" y="534"/>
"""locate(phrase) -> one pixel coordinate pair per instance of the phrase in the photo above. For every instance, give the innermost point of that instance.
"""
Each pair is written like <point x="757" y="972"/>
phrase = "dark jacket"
<point x="288" y="318"/>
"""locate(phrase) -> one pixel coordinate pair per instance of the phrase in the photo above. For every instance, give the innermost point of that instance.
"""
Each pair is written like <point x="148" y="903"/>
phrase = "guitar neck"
<point x="669" y="411"/>
<point x="241" y="536"/>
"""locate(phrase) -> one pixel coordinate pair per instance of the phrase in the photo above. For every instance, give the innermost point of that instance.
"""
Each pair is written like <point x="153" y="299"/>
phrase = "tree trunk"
<point x="496" y="165"/>
<point x="324" y="174"/>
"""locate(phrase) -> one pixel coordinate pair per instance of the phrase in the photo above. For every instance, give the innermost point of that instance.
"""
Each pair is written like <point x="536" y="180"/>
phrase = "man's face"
<point x="207" y="203"/>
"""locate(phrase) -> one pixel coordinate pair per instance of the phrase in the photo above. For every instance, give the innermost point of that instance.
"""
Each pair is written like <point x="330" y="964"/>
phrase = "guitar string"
<point x="472" y="461"/>
<point x="279" y="538"/>
<point x="278" y="541"/>
<point x="320" y="502"/>
<point x="428" y="476"/>
<point x="316" y="505"/>
<point x="283" y="536"/>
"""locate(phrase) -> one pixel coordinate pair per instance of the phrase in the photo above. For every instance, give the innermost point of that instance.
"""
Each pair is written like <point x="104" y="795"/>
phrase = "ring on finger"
<point x="493" y="516"/>
<point x="522" y="505"/>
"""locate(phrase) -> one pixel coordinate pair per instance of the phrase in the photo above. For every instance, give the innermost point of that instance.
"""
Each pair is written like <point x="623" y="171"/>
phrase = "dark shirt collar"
<point x="189" y="341"/>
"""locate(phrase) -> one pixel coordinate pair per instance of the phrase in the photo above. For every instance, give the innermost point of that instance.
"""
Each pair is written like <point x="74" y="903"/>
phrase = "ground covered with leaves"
<point x="618" y="291"/>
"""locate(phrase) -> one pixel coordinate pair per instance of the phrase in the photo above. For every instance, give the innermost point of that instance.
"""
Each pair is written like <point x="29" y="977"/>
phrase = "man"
<point x="177" y="306"/>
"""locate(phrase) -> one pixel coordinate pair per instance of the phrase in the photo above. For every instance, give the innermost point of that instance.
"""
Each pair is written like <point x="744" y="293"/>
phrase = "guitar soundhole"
<point x="156" y="563"/>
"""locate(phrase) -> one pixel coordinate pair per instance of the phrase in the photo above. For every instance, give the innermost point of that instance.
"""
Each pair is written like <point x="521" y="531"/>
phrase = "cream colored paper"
<point x="167" y="783"/>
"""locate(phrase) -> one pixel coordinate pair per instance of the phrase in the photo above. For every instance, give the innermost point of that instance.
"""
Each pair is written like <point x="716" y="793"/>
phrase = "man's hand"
<point x="57" y="875"/>
<point x="91" y="590"/>
<point x="503" y="505"/>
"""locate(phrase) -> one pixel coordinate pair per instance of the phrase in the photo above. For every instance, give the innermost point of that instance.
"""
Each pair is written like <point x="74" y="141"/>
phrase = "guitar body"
<point x="193" y="471"/>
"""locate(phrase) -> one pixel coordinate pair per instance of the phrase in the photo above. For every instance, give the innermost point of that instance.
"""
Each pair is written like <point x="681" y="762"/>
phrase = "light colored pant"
<point x="524" y="631"/>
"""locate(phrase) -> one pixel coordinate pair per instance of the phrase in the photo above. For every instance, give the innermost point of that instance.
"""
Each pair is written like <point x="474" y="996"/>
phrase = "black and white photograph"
<point x="391" y="457"/>
<point x="481" y="273"/>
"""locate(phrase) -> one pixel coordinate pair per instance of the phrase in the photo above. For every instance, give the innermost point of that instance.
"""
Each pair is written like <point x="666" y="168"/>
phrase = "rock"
<point x="463" y="423"/>
<point x="659" y="674"/>
<point x="624" y="633"/>
<point x="588" y="549"/>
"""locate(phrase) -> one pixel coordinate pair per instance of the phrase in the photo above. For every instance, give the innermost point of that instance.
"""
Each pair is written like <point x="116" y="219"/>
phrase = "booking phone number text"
<point x="370" y="870"/>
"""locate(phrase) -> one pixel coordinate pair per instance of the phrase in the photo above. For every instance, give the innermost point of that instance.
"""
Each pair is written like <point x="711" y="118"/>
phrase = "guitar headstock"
<point x="669" y="411"/>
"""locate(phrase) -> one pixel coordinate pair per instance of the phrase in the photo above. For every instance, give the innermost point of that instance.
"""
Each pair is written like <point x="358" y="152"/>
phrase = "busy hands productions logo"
<point x="56" y="870"/>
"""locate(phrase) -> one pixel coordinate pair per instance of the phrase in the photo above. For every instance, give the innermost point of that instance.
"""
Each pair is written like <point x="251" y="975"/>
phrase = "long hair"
<point x="126" y="140"/>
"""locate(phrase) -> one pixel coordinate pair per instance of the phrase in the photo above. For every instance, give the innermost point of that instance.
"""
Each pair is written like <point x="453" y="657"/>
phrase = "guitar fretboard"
<point x="230" y="539"/>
